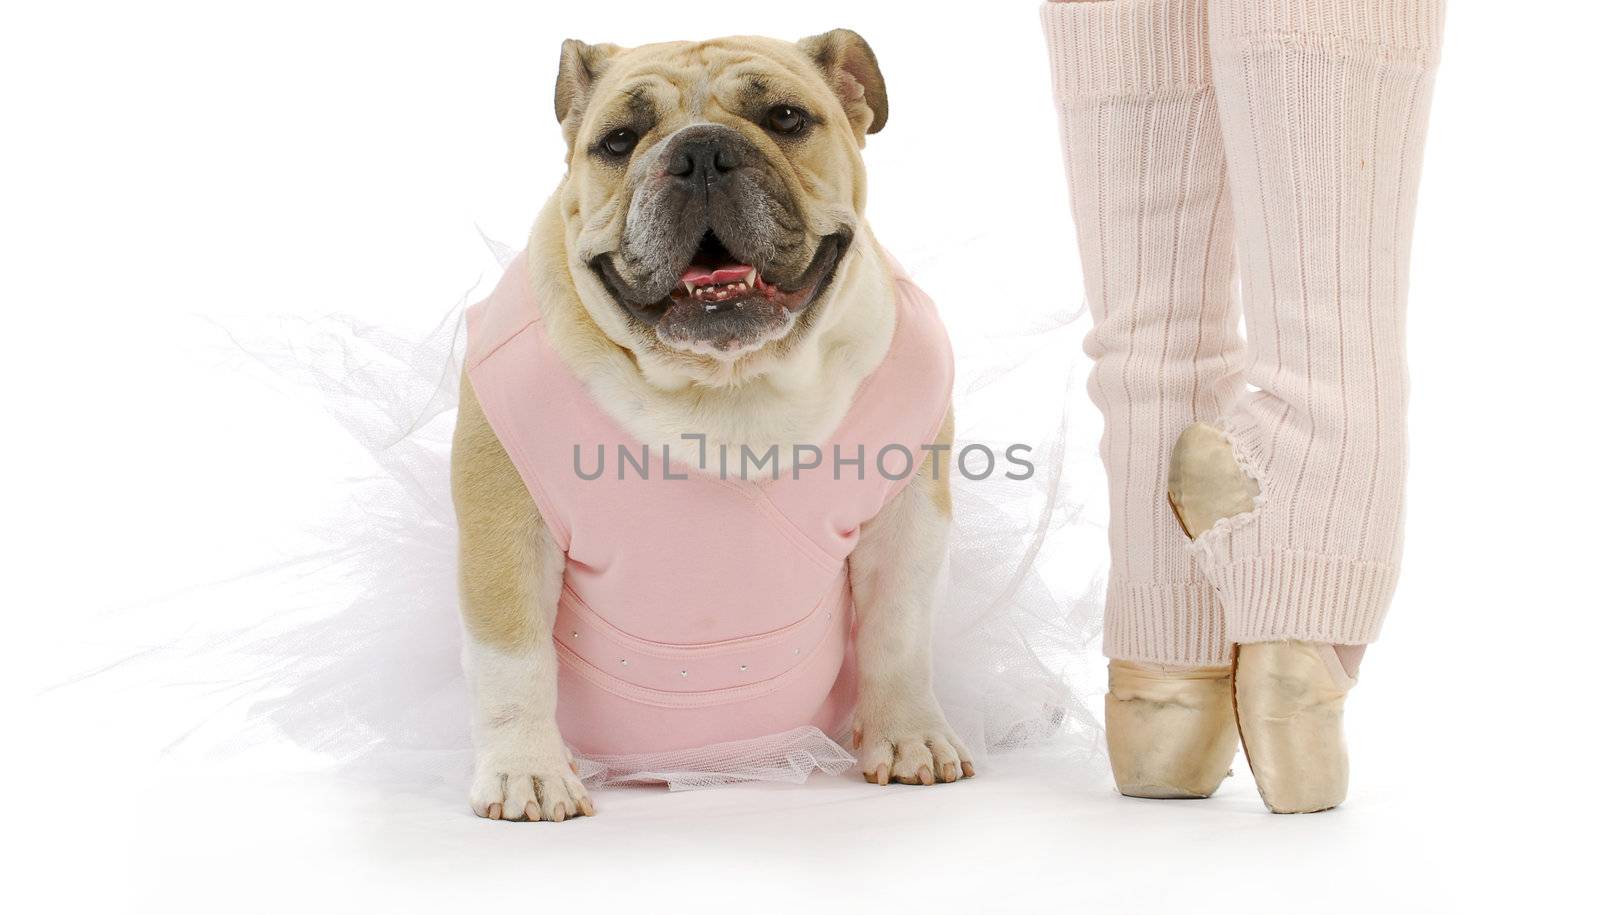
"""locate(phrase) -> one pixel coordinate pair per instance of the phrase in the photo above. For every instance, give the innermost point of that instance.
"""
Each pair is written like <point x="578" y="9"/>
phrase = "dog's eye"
<point x="785" y="119"/>
<point x="620" y="142"/>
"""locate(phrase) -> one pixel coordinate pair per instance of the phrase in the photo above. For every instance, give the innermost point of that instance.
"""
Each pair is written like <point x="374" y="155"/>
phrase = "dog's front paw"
<point x="911" y="744"/>
<point x="540" y="787"/>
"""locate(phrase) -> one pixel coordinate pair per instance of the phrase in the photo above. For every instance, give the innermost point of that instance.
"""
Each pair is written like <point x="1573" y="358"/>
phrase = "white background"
<point x="169" y="167"/>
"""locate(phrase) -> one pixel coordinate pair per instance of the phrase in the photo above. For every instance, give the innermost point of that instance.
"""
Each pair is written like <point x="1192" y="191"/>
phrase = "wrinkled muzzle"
<point x="715" y="253"/>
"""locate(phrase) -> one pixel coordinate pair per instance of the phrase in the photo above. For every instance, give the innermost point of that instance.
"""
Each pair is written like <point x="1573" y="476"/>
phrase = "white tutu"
<point x="360" y="663"/>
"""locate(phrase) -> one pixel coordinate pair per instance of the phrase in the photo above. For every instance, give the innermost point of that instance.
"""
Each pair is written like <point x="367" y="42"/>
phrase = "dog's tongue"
<point x="707" y="276"/>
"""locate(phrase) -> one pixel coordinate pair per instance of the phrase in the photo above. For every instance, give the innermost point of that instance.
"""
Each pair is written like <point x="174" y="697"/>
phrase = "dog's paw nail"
<point x="532" y="812"/>
<point x="494" y="811"/>
<point x="586" y="807"/>
<point x="925" y="775"/>
<point x="883" y="775"/>
<point x="967" y="770"/>
<point x="573" y="766"/>
<point x="560" y="813"/>
<point x="855" y="738"/>
<point x="948" y="773"/>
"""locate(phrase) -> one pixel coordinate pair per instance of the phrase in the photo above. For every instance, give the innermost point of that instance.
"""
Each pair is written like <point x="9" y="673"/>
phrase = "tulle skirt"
<point x="362" y="666"/>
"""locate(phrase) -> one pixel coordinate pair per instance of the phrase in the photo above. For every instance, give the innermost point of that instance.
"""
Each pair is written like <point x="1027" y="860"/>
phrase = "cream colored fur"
<point x="795" y="390"/>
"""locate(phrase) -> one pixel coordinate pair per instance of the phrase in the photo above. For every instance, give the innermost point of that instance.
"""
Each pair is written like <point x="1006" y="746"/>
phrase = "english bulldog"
<point x="703" y="277"/>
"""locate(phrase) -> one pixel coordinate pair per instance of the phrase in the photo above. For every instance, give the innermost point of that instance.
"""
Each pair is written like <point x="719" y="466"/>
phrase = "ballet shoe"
<point x="1169" y="730"/>
<point x="1204" y="482"/>
<point x="1289" y="701"/>
<point x="1288" y="696"/>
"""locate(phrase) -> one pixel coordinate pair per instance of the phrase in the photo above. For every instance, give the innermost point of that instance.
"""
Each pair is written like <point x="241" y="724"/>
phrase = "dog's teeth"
<point x="689" y="286"/>
<point x="750" y="278"/>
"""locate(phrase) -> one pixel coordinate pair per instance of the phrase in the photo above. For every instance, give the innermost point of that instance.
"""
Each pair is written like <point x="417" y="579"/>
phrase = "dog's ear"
<point x="851" y="69"/>
<point x="581" y="66"/>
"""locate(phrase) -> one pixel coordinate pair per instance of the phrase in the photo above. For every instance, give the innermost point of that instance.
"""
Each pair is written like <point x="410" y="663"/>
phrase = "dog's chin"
<point x="723" y="307"/>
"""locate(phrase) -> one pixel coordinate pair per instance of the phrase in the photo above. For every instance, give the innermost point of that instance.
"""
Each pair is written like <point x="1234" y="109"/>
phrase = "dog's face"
<point x="713" y="190"/>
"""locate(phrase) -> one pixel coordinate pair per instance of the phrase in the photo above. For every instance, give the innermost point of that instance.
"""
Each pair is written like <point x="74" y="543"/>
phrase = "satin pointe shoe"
<point x="1170" y="730"/>
<point x="1288" y="696"/>
<point x="1204" y="482"/>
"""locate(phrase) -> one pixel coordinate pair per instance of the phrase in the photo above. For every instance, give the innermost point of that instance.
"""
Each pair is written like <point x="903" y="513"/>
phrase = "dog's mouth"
<point x="723" y="304"/>
<point x="717" y="280"/>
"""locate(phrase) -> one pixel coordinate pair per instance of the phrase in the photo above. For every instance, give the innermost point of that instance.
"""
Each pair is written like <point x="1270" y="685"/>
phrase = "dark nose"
<point x="704" y="157"/>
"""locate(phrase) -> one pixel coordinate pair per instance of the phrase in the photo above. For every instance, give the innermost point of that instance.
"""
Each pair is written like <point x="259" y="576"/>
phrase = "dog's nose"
<point x="703" y="158"/>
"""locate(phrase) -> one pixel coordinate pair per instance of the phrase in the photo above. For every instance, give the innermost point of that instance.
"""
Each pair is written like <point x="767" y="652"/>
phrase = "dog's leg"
<point x="511" y="571"/>
<point x="900" y="731"/>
